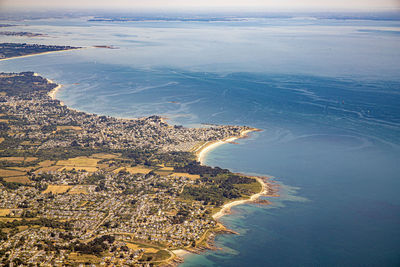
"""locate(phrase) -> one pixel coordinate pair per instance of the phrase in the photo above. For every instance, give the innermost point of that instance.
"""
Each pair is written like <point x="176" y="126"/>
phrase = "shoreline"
<point x="226" y="208"/>
<point x="266" y="190"/>
<point x="204" y="149"/>
<point x="42" y="53"/>
<point x="201" y="153"/>
<point x="178" y="254"/>
<point x="53" y="92"/>
<point x="181" y="252"/>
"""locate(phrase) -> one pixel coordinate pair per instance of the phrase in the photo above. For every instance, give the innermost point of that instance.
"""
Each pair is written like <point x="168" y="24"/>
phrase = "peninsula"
<point x="11" y="50"/>
<point x="82" y="188"/>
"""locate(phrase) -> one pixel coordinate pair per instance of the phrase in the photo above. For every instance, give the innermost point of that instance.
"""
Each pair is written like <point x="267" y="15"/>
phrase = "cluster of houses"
<point x="44" y="121"/>
<point x="131" y="207"/>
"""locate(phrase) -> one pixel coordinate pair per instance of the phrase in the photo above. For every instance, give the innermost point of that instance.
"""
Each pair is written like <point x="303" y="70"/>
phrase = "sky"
<point x="207" y="4"/>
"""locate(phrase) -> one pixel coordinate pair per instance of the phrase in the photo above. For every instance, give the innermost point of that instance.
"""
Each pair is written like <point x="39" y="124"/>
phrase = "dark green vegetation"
<point x="194" y="167"/>
<point x="217" y="185"/>
<point x="11" y="185"/>
<point x="154" y="257"/>
<point x="96" y="246"/>
<point x="151" y="157"/>
<point x="15" y="49"/>
<point x="20" y="84"/>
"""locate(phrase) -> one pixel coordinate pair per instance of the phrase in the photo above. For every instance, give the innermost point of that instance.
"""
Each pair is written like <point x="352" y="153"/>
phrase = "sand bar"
<point x="42" y="53"/>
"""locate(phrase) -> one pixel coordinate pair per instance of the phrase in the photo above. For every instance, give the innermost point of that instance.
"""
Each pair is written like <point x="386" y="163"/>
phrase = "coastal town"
<point x="129" y="208"/>
<point x="47" y="121"/>
<point x="82" y="188"/>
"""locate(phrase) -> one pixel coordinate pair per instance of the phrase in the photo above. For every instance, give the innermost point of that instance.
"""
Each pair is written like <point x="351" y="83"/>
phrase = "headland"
<point x="20" y="50"/>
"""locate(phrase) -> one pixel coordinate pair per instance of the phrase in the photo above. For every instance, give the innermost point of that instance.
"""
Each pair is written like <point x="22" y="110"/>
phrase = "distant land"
<point x="26" y="34"/>
<point x="124" y="19"/>
<point x="224" y="17"/>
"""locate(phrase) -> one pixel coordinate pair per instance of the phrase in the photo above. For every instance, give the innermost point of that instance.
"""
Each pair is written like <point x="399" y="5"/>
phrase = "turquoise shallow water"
<point x="325" y="92"/>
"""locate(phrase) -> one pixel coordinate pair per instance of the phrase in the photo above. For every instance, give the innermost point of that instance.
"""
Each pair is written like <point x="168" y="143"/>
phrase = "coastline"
<point x="42" y="53"/>
<point x="226" y="208"/>
<point x="201" y="152"/>
<point x="181" y="252"/>
<point x="204" y="149"/>
<point x="53" y="92"/>
<point x="266" y="190"/>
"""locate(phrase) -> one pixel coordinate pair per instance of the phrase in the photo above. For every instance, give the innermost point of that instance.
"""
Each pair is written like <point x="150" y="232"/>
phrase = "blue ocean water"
<point x="325" y="92"/>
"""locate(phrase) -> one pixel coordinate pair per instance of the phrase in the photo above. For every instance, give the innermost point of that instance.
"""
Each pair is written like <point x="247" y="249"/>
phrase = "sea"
<point x="324" y="90"/>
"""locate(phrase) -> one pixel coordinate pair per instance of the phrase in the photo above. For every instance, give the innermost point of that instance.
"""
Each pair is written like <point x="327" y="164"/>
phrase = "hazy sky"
<point x="173" y="4"/>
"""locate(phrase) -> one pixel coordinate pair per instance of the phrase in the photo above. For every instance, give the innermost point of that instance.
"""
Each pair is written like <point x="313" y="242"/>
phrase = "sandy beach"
<point x="53" y="92"/>
<point x="227" y="207"/>
<point x="43" y="53"/>
<point x="180" y="253"/>
<point x="202" y="151"/>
